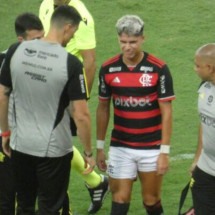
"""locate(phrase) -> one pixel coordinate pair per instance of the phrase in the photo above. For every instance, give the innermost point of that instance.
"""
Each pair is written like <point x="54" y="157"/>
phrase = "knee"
<point x="120" y="196"/>
<point x="151" y="199"/>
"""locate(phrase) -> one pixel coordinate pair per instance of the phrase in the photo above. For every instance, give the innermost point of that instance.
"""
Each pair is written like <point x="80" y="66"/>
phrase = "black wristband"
<point x="88" y="155"/>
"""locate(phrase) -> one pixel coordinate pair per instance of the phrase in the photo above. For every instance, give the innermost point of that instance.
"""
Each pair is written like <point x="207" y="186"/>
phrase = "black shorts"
<point x="42" y="177"/>
<point x="203" y="193"/>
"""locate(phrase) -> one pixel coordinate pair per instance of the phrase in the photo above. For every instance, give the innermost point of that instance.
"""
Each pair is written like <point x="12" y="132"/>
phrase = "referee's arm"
<point x="89" y="62"/>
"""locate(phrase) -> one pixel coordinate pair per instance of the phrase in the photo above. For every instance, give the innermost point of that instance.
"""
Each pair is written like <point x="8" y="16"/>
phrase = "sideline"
<point x="182" y="157"/>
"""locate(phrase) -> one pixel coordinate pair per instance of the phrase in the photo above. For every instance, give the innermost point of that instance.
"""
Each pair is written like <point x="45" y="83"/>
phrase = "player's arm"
<point x="5" y="91"/>
<point x="102" y="120"/>
<point x="89" y="62"/>
<point x="166" y="131"/>
<point x="4" y="101"/>
<point x="102" y="117"/>
<point x="80" y="113"/>
<point x="166" y="122"/>
<point x="5" y="88"/>
<point x="86" y="44"/>
<point x="78" y="108"/>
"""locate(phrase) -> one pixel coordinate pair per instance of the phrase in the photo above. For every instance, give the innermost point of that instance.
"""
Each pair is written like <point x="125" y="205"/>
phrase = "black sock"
<point x="155" y="209"/>
<point x="119" y="208"/>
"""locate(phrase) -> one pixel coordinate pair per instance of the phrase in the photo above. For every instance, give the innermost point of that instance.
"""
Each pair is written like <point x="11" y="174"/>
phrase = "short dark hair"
<point x="25" y="22"/>
<point x="65" y="14"/>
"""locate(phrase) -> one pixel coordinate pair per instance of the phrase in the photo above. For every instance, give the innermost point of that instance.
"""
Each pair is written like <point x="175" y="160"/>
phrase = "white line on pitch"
<point x="182" y="157"/>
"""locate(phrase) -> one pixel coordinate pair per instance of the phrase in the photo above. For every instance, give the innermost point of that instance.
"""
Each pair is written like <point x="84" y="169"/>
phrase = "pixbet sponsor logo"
<point x="132" y="102"/>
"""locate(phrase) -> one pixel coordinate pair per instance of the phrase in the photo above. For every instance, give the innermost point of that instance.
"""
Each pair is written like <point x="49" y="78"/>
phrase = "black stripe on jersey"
<point x="2" y="57"/>
<point x="139" y="138"/>
<point x="75" y="69"/>
<point x="137" y="123"/>
<point x="63" y="103"/>
<point x="5" y="77"/>
<point x="155" y="61"/>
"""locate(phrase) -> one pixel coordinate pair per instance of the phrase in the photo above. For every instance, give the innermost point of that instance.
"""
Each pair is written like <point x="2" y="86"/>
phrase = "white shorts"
<point x="125" y="162"/>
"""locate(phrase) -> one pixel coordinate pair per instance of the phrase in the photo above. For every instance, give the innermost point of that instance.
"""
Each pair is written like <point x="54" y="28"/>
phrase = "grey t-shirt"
<point x="206" y="107"/>
<point x="44" y="78"/>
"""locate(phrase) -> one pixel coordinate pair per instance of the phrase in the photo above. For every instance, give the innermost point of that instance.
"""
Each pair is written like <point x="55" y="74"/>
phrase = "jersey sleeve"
<point x="5" y="76"/>
<point x="77" y="83"/>
<point x="104" y="89"/>
<point x="45" y="12"/>
<point x="165" y="85"/>
<point x="2" y="57"/>
<point x="85" y="36"/>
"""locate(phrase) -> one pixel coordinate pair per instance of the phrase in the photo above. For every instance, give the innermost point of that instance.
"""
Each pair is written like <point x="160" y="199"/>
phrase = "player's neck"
<point x="133" y="61"/>
<point x="53" y="37"/>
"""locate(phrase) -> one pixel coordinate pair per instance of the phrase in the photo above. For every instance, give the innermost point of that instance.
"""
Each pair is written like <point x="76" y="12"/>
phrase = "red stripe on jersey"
<point x="136" y="144"/>
<point x="155" y="61"/>
<point x="136" y="130"/>
<point x="130" y="79"/>
<point x="111" y="60"/>
<point x="166" y="99"/>
<point x="137" y="115"/>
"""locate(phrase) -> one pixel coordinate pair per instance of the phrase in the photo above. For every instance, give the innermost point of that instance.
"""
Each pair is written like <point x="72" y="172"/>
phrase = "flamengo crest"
<point x="146" y="80"/>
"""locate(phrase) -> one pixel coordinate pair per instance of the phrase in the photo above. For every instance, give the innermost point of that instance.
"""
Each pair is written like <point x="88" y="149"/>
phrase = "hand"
<point x="6" y="146"/>
<point x="191" y="212"/>
<point x="162" y="164"/>
<point x="89" y="164"/>
<point x="100" y="160"/>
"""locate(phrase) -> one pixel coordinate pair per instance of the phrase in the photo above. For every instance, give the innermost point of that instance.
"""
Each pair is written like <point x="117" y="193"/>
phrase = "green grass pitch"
<point x="173" y="31"/>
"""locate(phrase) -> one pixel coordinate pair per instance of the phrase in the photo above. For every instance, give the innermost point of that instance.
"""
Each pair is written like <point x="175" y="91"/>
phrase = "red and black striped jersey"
<point x="135" y="95"/>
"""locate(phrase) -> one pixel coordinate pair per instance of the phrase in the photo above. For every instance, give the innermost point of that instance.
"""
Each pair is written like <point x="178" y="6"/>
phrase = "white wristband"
<point x="100" y="144"/>
<point x="165" y="149"/>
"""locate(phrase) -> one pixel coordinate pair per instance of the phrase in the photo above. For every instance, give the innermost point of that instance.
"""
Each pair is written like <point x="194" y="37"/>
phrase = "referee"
<point x="47" y="84"/>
